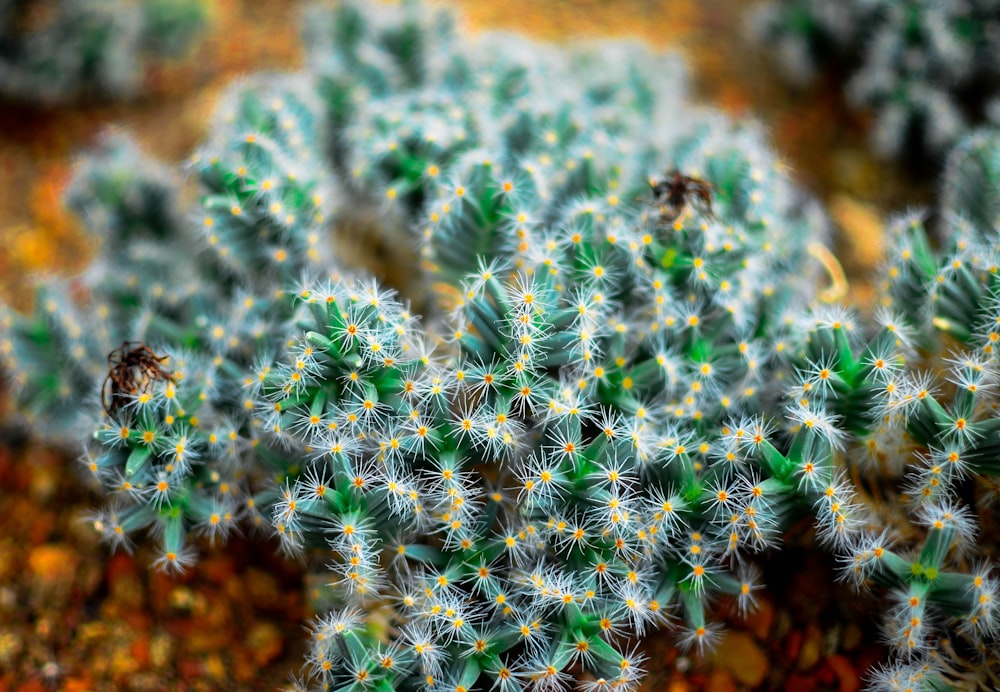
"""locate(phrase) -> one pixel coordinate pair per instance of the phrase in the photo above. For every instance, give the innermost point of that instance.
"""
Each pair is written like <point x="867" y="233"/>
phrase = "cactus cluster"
<point x="627" y="387"/>
<point x="56" y="51"/>
<point x="944" y="399"/>
<point x="927" y="70"/>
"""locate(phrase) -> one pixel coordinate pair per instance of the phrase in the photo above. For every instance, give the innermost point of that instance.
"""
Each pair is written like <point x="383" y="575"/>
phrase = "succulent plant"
<point x="598" y="357"/>
<point x="591" y="340"/>
<point x="627" y="387"/>
<point x="926" y="435"/>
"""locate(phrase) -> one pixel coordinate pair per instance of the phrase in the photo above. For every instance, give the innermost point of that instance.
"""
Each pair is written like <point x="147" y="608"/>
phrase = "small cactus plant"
<point x="627" y="387"/>
<point x="931" y="442"/>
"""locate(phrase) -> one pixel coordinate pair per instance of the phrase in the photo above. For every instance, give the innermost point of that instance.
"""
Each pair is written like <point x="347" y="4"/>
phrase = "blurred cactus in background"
<point x="408" y="99"/>
<point x="266" y="189"/>
<point x="57" y="356"/>
<point x="927" y="70"/>
<point x="55" y="51"/>
<point x="971" y="187"/>
<point x="930" y="446"/>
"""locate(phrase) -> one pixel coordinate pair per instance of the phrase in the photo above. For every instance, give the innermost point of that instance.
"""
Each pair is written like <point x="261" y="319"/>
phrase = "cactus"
<point x="52" y="361"/>
<point x="928" y="439"/>
<point x="603" y="350"/>
<point x="972" y="180"/>
<point x="626" y="390"/>
<point x="59" y="50"/>
<point x="926" y="69"/>
<point x="406" y="99"/>
<point x="56" y="357"/>
<point x="266" y="192"/>
<point x="173" y="450"/>
<point x="604" y="361"/>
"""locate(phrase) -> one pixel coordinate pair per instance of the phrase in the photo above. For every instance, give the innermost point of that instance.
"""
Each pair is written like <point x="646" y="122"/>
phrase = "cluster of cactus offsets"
<point x="632" y="389"/>
<point x="408" y="100"/>
<point x="579" y="460"/>
<point x="563" y="468"/>
<point x="926" y="68"/>
<point x="608" y="362"/>
<point x="262" y="210"/>
<point x="130" y="204"/>
<point x="55" y="51"/>
<point x="266" y="189"/>
<point x="262" y="216"/>
<point x="187" y="325"/>
<point x="916" y="403"/>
